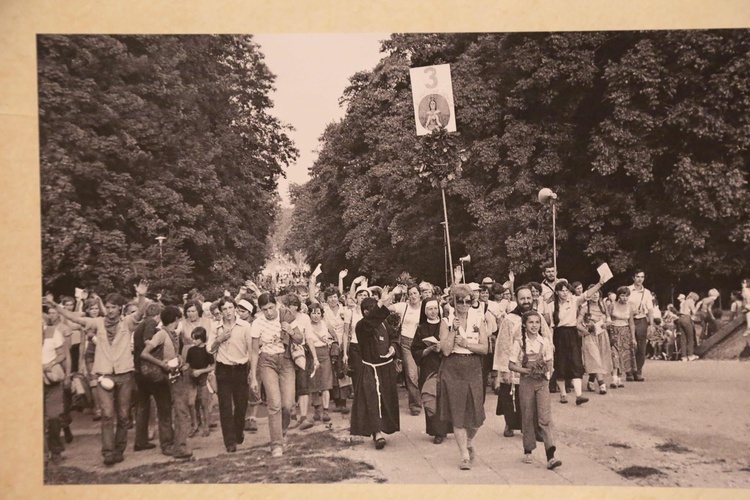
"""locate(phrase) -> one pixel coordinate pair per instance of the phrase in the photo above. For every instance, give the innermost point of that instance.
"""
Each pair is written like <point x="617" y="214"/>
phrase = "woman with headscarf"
<point x="426" y="351"/>
<point x="463" y="341"/>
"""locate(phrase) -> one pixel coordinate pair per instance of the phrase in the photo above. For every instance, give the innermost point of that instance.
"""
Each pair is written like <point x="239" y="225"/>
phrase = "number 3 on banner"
<point x="432" y="72"/>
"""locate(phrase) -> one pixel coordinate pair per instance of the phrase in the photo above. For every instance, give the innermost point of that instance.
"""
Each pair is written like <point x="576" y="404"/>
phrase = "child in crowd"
<point x="656" y="337"/>
<point x="201" y="362"/>
<point x="736" y="304"/>
<point x="532" y="357"/>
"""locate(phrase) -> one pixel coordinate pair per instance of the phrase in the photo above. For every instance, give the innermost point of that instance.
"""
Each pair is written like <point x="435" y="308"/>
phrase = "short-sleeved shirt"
<point x="641" y="301"/>
<point x="319" y="334"/>
<point x="50" y="344"/>
<point x="199" y="358"/>
<point x="539" y="345"/>
<point x="355" y="318"/>
<point x="303" y="324"/>
<point x="568" y="311"/>
<point x="337" y="320"/>
<point x="236" y="349"/>
<point x="269" y="331"/>
<point x="170" y="343"/>
<point x="115" y="356"/>
<point x="408" y="317"/>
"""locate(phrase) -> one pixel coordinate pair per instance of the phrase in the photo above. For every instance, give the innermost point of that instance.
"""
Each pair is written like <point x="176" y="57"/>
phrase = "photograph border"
<point x="20" y="251"/>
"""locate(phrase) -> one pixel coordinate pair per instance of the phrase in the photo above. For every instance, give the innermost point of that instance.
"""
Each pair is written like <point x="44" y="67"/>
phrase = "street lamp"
<point x="547" y="196"/>
<point x="463" y="271"/>
<point x="160" y="239"/>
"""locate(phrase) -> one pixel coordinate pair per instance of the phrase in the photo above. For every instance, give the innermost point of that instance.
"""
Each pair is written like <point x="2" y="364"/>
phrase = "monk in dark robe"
<point x="375" y="408"/>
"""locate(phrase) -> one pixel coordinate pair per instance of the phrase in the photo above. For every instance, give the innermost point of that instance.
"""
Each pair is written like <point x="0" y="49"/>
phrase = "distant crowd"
<point x="307" y="350"/>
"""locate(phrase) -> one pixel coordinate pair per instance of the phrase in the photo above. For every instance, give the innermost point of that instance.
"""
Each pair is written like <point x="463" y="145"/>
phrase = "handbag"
<point x="54" y="374"/>
<point x="152" y="372"/>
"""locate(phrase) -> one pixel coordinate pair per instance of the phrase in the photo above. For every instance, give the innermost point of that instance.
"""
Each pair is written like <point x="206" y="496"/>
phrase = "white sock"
<point x="577" y="387"/>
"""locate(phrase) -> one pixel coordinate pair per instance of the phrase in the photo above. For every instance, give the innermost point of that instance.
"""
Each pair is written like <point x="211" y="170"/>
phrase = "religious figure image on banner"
<point x="434" y="112"/>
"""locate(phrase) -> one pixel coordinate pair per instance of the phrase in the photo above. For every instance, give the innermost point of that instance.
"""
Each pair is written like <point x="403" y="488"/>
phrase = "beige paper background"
<point x="20" y="253"/>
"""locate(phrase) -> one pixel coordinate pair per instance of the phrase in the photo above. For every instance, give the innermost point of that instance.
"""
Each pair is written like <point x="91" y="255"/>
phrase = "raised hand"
<point x="511" y="276"/>
<point x="141" y="289"/>
<point x="343" y="273"/>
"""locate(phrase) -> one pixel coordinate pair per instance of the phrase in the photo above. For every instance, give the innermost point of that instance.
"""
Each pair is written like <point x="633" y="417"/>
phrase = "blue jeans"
<point x="116" y="404"/>
<point x="179" y="390"/>
<point x="277" y="375"/>
<point x="411" y="374"/>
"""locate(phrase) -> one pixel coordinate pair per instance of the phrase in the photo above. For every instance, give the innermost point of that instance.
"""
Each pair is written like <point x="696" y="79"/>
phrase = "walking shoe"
<point x="438" y="439"/>
<point x="613" y="386"/>
<point x="581" y="399"/>
<point x="603" y="389"/>
<point x="168" y="452"/>
<point x="629" y="378"/>
<point x="68" y="434"/>
<point x="185" y="455"/>
<point x="344" y="410"/>
<point x="326" y="417"/>
<point x="97" y="416"/>
<point x="141" y="447"/>
<point x="553" y="463"/>
<point x="508" y="432"/>
<point x="251" y="425"/>
<point x="277" y="452"/>
<point x="206" y="432"/>
<point x="563" y="398"/>
<point x="638" y="378"/>
<point x="693" y="357"/>
<point x="316" y="415"/>
<point x="592" y="387"/>
<point x="620" y="385"/>
<point x="336" y="409"/>
<point x="231" y="448"/>
<point x="305" y="424"/>
<point x="465" y="465"/>
<point x="527" y="458"/>
<point x="293" y="423"/>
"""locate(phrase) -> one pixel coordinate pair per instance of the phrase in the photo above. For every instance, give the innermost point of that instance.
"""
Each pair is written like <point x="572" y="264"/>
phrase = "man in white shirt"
<point x="549" y="282"/>
<point x="642" y="304"/>
<point x="231" y="343"/>
<point x="408" y="313"/>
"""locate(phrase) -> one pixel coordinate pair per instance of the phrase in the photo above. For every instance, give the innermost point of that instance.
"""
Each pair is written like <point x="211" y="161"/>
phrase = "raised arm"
<point x="141" y="289"/>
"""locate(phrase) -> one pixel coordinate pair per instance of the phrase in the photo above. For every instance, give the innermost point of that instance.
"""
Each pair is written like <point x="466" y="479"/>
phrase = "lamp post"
<point x="547" y="196"/>
<point x="463" y="271"/>
<point x="160" y="239"/>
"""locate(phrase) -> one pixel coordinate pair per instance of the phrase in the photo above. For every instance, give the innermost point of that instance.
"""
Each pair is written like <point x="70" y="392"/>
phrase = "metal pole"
<point x="445" y="254"/>
<point x="448" y="235"/>
<point x="554" y="238"/>
<point x="463" y="273"/>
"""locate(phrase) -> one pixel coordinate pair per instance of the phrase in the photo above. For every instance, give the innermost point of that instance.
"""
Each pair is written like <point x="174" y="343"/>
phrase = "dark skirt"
<point x="302" y="377"/>
<point x="460" y="394"/>
<point x="375" y="405"/>
<point x="509" y="404"/>
<point x="568" y="355"/>
<point x="323" y="378"/>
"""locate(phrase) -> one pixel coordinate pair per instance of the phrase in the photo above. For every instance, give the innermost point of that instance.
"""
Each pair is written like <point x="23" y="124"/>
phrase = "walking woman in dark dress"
<point x="428" y="357"/>
<point x="463" y="342"/>
<point x="375" y="405"/>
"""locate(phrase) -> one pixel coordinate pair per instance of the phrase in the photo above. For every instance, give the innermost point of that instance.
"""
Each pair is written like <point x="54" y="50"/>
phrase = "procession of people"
<point x="311" y="345"/>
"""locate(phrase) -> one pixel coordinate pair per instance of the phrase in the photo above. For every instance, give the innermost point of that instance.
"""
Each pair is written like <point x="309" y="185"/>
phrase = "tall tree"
<point x="643" y="135"/>
<point x="146" y="136"/>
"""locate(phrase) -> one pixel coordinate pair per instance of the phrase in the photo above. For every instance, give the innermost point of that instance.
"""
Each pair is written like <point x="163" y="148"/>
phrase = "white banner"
<point x="432" y="92"/>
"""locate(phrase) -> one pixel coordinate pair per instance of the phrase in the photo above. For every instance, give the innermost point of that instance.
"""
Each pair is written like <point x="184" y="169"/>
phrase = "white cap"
<point x="362" y="289"/>
<point x="474" y="286"/>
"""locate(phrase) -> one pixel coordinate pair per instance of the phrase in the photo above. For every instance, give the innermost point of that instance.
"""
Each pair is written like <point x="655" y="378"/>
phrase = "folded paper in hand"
<point x="430" y="340"/>
<point x="605" y="273"/>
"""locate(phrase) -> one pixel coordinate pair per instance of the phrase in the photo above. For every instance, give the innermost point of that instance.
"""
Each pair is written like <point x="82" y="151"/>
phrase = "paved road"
<point x="699" y="406"/>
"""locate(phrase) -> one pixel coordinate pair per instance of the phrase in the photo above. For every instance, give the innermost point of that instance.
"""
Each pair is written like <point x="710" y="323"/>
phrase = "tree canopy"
<point x="644" y="136"/>
<point x="146" y="136"/>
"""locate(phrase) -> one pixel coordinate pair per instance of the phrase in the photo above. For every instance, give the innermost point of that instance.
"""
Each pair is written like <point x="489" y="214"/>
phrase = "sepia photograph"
<point x="255" y="277"/>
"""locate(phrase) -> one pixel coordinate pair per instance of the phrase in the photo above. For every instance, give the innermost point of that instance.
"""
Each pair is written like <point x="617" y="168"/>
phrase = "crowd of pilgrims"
<point x="308" y="350"/>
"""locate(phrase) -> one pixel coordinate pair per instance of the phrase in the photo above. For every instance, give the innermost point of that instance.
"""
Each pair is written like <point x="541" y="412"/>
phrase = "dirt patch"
<point x="638" y="472"/>
<point x="672" y="447"/>
<point x="309" y="458"/>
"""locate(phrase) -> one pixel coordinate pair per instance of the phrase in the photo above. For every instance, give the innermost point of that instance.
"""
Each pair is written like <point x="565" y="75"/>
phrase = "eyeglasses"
<point x="464" y="301"/>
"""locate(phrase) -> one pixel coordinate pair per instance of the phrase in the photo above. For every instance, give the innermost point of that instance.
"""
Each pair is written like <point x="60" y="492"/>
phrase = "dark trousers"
<point x="232" y="390"/>
<point x="684" y="324"/>
<point x="162" y="398"/>
<point x="641" y="341"/>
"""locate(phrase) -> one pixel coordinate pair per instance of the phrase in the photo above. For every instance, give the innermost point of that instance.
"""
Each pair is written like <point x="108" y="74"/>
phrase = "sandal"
<point x="380" y="443"/>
